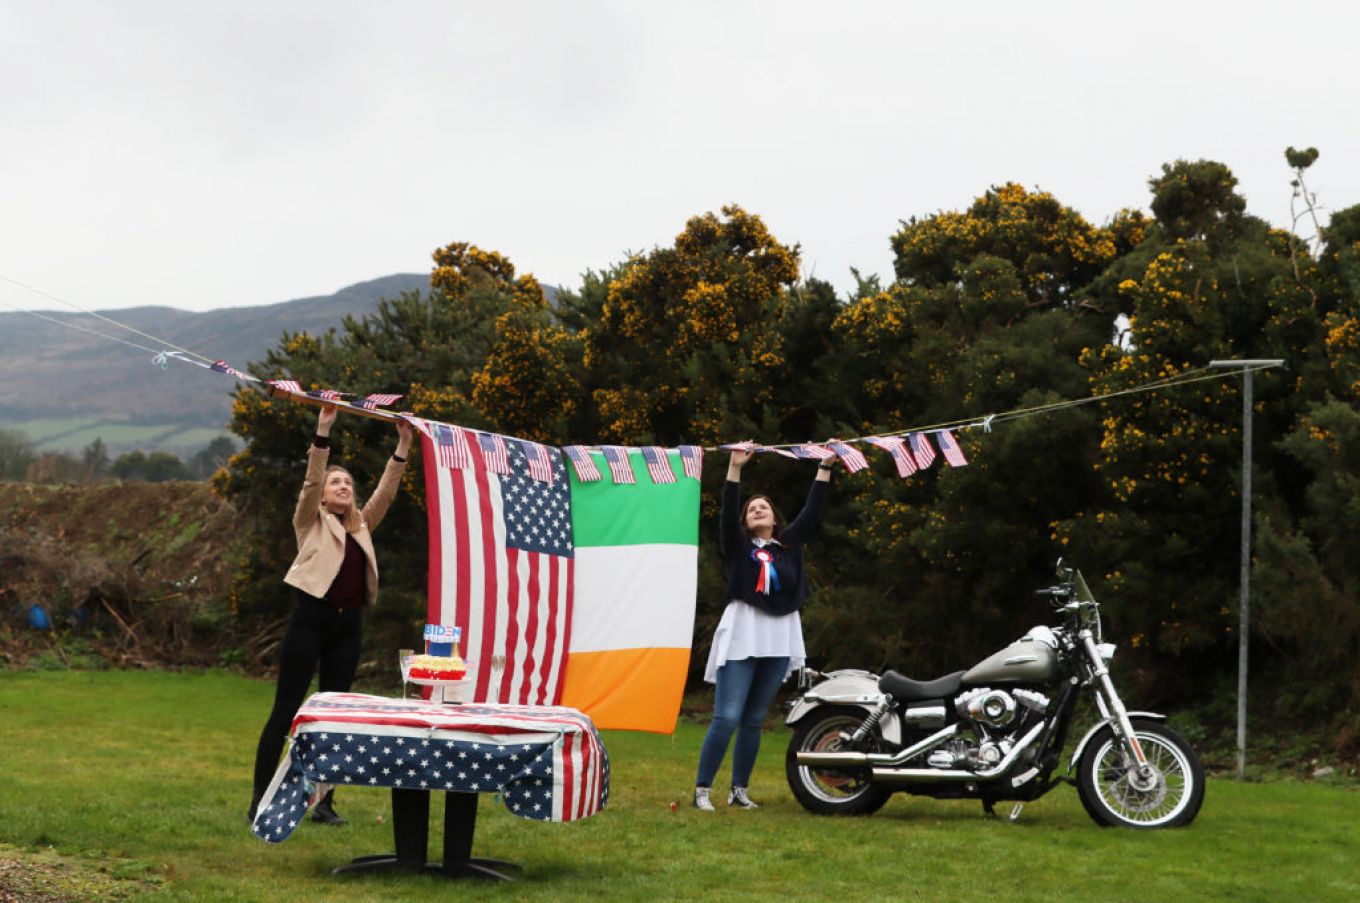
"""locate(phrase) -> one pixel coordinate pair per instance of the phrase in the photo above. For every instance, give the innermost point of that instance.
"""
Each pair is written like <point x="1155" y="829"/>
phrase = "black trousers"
<point x="319" y="636"/>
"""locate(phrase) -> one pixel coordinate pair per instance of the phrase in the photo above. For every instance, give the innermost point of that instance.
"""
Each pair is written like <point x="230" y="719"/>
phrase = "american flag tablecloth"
<point x="546" y="762"/>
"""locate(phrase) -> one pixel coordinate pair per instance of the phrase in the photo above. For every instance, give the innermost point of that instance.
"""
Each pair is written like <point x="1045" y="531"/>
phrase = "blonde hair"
<point x="351" y="520"/>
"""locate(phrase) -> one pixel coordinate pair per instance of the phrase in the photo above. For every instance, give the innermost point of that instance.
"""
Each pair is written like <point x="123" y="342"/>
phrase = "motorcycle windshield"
<point x="1083" y="591"/>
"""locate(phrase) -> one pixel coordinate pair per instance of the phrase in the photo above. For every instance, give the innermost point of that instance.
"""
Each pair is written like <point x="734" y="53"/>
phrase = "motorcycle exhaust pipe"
<point x="889" y="775"/>
<point x="835" y="759"/>
<point x="831" y="759"/>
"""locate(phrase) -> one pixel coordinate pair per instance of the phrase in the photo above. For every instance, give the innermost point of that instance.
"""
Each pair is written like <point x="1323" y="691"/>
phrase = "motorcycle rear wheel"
<point x="827" y="791"/>
<point x="1115" y="795"/>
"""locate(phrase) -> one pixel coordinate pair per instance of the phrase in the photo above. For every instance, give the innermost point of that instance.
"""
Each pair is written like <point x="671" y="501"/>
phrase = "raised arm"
<point x="309" y="499"/>
<point x="382" y="497"/>
<point x="730" y="535"/>
<point x="802" y="528"/>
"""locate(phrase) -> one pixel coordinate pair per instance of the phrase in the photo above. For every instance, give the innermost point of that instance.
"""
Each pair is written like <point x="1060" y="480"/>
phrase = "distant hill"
<point x="64" y="387"/>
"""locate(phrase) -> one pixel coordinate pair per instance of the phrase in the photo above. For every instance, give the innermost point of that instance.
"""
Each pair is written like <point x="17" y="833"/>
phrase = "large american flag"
<point x="546" y="762"/>
<point x="502" y="563"/>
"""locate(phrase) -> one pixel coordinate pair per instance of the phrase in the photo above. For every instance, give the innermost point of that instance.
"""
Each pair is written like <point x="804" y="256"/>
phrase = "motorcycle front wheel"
<point x="1116" y="793"/>
<point x="826" y="791"/>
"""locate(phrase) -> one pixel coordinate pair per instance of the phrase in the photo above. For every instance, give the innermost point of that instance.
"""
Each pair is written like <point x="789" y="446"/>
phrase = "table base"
<point x="411" y="833"/>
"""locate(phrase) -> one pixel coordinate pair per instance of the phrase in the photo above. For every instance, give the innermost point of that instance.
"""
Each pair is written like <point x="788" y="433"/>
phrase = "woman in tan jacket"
<point x="335" y="575"/>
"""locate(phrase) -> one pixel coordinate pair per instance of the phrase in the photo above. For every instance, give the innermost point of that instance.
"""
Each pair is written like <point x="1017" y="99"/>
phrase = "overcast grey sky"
<point x="209" y="154"/>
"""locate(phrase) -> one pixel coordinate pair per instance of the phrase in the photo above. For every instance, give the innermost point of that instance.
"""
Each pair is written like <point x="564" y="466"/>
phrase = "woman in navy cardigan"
<point x="759" y="640"/>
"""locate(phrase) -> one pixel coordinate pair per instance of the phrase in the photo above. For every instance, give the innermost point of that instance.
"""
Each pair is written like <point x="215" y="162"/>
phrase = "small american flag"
<point x="586" y="471"/>
<point x="224" y="367"/>
<point x="692" y="456"/>
<point x="452" y="446"/>
<point x="950" y="446"/>
<point x="738" y="446"/>
<point x="813" y="452"/>
<point x="619" y="466"/>
<point x="287" y="385"/>
<point x="495" y="453"/>
<point x="540" y="465"/>
<point x="371" y="402"/>
<point x="784" y="452"/>
<point x="921" y="450"/>
<point x="658" y="464"/>
<point x="329" y="395"/>
<point x="897" y="447"/>
<point x="852" y="457"/>
<point x="547" y="763"/>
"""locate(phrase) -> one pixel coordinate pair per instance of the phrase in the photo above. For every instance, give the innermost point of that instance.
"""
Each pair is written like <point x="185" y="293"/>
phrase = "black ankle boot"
<point x="324" y="811"/>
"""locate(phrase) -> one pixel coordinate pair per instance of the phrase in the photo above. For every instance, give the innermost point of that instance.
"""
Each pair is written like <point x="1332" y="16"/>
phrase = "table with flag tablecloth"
<point x="546" y="762"/>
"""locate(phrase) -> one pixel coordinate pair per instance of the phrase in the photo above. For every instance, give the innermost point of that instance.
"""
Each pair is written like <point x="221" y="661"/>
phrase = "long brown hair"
<point x="351" y="520"/>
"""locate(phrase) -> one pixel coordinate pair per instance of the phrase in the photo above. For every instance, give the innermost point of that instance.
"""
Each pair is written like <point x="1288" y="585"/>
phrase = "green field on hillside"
<point x="72" y="434"/>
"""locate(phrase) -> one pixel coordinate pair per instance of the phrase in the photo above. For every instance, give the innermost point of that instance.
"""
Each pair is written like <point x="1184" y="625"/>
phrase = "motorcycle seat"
<point x="904" y="689"/>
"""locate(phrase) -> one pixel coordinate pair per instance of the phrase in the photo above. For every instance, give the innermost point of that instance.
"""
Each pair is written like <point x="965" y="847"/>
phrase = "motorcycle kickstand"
<point x="1015" y="813"/>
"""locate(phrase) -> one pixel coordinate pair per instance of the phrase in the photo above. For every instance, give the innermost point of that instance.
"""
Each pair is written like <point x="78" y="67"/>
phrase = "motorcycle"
<point x="994" y="732"/>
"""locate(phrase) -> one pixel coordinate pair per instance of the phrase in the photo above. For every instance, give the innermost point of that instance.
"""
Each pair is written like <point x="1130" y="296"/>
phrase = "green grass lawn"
<point x="146" y="776"/>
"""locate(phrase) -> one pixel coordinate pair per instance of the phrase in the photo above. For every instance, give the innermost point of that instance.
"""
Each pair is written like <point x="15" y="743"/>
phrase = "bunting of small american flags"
<point x="619" y="467"/>
<point x="540" y="462"/>
<point x="897" y="447"/>
<point x="583" y="464"/>
<point x="851" y="457"/>
<point x="287" y="385"/>
<point x="658" y="464"/>
<point x="494" y="452"/>
<point x="372" y="402"/>
<point x="692" y="457"/>
<point x="921" y="450"/>
<point x="950" y="447"/>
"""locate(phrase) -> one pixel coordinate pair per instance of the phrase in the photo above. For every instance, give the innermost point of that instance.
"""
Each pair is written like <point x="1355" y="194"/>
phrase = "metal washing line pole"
<point x="1247" y="367"/>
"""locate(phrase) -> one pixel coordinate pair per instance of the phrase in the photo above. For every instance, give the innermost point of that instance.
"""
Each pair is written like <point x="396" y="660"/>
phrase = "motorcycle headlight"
<point x="1106" y="651"/>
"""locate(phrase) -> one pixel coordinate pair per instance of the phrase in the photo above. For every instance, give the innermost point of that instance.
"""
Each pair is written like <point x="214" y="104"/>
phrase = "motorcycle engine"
<point x="993" y="708"/>
<point x="997" y="718"/>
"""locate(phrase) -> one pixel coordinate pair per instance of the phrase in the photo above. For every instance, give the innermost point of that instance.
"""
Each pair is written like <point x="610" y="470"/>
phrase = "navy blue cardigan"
<point x="743" y="571"/>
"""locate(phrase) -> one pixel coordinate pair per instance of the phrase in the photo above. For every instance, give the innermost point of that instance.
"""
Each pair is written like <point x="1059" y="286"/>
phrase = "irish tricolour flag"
<point x="636" y="576"/>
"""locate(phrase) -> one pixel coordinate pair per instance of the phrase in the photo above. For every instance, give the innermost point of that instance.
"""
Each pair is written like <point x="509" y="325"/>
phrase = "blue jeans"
<point x="741" y="698"/>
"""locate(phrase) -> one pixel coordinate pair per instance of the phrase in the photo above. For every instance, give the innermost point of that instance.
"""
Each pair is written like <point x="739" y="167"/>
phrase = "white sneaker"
<point x="701" y="800"/>
<point x="739" y="799"/>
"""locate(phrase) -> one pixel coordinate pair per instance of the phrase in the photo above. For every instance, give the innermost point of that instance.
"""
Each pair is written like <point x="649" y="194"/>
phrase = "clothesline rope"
<point x="98" y="316"/>
<point x="1196" y="375"/>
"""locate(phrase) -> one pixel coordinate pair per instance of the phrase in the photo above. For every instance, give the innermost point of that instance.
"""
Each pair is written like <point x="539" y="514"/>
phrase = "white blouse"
<point x="747" y="632"/>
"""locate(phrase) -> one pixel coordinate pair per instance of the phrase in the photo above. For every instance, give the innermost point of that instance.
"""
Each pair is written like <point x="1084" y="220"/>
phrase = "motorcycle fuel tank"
<point x="1024" y="662"/>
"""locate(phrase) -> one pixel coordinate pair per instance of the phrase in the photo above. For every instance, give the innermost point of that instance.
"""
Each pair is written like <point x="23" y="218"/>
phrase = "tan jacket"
<point x="321" y="535"/>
